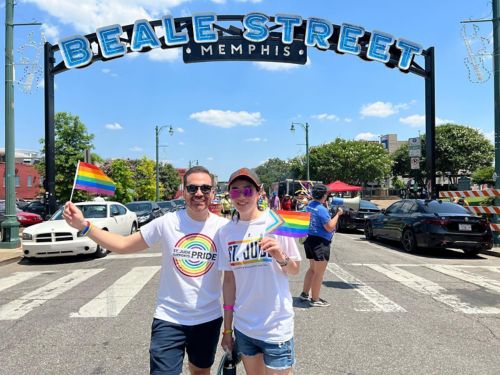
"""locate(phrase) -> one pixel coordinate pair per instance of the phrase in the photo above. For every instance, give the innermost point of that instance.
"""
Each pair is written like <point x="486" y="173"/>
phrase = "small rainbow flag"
<point x="289" y="223"/>
<point x="90" y="178"/>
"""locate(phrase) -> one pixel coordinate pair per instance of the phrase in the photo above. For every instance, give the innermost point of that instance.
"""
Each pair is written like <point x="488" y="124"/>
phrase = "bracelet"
<point x="227" y="332"/>
<point x="283" y="263"/>
<point x="85" y="231"/>
<point x="228" y="307"/>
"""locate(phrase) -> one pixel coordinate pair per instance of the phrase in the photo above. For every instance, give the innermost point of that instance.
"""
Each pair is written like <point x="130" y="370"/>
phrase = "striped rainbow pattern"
<point x="295" y="224"/>
<point x="91" y="178"/>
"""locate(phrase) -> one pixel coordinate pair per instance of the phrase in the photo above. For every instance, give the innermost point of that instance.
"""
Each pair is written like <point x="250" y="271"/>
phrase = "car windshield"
<point x="368" y="205"/>
<point x="179" y="202"/>
<point x="138" y="207"/>
<point x="165" y="204"/>
<point x="437" y="207"/>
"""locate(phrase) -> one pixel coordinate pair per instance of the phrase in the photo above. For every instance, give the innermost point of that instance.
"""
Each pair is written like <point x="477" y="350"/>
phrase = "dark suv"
<point x="146" y="211"/>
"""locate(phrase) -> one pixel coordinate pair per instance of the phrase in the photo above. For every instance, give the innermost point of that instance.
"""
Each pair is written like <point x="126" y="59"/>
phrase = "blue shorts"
<point x="277" y="356"/>
<point x="169" y="341"/>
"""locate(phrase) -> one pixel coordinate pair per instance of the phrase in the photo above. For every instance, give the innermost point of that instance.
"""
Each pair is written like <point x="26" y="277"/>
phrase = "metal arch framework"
<point x="226" y="33"/>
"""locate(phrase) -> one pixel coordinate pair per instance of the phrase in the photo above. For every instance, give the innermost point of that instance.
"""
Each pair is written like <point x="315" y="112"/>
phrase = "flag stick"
<point x="74" y="181"/>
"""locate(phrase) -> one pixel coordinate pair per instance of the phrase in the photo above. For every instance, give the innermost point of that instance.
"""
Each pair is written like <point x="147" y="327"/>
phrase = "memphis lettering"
<point x="76" y="50"/>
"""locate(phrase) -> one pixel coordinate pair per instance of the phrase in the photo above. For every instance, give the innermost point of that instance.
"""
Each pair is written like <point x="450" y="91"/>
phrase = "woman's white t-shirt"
<point x="264" y="307"/>
<point x="190" y="283"/>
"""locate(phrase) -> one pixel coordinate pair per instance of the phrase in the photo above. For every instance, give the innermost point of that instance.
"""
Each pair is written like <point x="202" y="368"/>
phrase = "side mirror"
<point x="383" y="211"/>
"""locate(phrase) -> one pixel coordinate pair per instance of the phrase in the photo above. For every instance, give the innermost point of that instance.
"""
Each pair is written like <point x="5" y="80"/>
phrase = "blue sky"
<point x="233" y="114"/>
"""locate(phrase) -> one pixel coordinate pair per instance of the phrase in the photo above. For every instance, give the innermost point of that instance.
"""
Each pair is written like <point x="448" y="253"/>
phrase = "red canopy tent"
<point x="339" y="186"/>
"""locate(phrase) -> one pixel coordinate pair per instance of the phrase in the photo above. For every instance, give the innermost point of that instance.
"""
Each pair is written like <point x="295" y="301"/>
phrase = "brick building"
<point x="27" y="181"/>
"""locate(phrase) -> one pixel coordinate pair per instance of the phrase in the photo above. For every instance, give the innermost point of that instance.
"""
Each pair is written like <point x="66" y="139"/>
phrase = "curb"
<point x="10" y="260"/>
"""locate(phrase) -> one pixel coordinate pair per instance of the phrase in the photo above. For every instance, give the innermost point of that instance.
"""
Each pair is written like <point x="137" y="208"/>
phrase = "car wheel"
<point x="408" y="240"/>
<point x="369" y="231"/>
<point x="134" y="228"/>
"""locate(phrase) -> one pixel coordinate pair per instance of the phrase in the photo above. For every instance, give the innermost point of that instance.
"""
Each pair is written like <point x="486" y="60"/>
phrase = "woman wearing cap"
<point x="317" y="245"/>
<point x="255" y="289"/>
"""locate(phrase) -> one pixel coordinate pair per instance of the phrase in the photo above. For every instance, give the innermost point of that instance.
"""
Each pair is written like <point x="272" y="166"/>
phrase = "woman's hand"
<point x="227" y="342"/>
<point x="271" y="246"/>
<point x="73" y="216"/>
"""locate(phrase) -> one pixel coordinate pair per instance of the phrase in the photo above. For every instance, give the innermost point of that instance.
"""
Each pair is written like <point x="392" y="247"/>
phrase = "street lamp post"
<point x="158" y="129"/>
<point x="193" y="162"/>
<point x="306" y="129"/>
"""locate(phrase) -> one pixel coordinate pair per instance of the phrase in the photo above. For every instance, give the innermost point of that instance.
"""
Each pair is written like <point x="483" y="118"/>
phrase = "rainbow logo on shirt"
<point x="200" y="253"/>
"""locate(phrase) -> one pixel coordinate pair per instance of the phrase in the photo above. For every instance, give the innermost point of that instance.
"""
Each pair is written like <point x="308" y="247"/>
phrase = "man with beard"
<point x="181" y="322"/>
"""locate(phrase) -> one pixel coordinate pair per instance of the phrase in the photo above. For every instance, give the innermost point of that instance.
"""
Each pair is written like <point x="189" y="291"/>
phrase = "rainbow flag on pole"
<point x="289" y="223"/>
<point x="90" y="178"/>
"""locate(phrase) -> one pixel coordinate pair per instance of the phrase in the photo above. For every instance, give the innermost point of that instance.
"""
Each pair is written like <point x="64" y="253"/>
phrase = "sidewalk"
<point x="10" y="255"/>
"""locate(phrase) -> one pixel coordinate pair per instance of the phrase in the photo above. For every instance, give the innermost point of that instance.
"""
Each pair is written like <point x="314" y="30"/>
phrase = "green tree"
<point x="458" y="148"/>
<point x="120" y="171"/>
<point x="273" y="170"/>
<point x="355" y="162"/>
<point x="71" y="141"/>
<point x="484" y="175"/>
<point x="169" y="181"/>
<point x="145" y="179"/>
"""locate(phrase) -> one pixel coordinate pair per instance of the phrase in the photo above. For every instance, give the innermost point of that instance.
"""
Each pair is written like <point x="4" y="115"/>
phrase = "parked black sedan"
<point x="167" y="206"/>
<point x="352" y="219"/>
<point x="146" y="211"/>
<point x="430" y="223"/>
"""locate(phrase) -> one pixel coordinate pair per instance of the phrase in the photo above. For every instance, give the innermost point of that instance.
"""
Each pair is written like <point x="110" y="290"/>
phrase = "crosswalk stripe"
<point x="378" y="301"/>
<point x="110" y="302"/>
<point x="493" y="268"/>
<point x="132" y="256"/>
<point x="21" y="306"/>
<point x="484" y="282"/>
<point x="431" y="289"/>
<point x="18" y="278"/>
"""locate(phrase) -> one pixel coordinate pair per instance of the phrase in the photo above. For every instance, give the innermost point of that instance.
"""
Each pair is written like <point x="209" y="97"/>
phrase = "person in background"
<point x="256" y="293"/>
<point x="226" y="206"/>
<point x="286" y="203"/>
<point x="317" y="245"/>
<point x="263" y="203"/>
<point x="301" y="201"/>
<point x="274" y="203"/>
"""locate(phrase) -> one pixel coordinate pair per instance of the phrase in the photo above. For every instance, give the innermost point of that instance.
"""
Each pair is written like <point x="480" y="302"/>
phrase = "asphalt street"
<point x="436" y="312"/>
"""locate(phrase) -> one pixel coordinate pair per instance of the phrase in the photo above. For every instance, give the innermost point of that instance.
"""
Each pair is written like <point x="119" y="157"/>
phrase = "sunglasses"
<point x="236" y="193"/>
<point x="193" y="189"/>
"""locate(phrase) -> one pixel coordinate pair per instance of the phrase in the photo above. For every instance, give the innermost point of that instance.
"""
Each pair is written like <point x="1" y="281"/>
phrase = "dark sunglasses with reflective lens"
<point x="192" y="189"/>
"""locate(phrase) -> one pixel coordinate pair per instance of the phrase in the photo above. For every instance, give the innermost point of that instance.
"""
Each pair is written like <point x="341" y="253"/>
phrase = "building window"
<point x="30" y="181"/>
<point x="17" y="181"/>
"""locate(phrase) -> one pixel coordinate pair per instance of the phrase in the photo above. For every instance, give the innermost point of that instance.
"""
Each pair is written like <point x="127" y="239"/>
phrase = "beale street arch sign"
<point x="282" y="38"/>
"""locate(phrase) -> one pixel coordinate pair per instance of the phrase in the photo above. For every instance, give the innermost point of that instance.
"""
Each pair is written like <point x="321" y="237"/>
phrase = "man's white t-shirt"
<point x="190" y="283"/>
<point x="263" y="308"/>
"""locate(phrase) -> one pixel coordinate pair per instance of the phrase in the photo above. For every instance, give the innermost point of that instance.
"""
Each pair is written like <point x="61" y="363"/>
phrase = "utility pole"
<point x="496" y="93"/>
<point x="306" y="129"/>
<point x="10" y="226"/>
<point x="157" y="139"/>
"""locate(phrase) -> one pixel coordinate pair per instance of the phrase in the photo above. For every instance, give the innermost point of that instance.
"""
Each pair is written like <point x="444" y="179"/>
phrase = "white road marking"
<point x="431" y="289"/>
<point x="378" y="301"/>
<point x="371" y="244"/>
<point x="484" y="282"/>
<point x="18" y="278"/>
<point x="21" y="306"/>
<point x="492" y="268"/>
<point x="132" y="256"/>
<point x="112" y="301"/>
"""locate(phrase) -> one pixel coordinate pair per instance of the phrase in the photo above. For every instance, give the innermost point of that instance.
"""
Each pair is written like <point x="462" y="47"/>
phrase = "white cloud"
<point x="210" y="158"/>
<point x="181" y="143"/>
<point x="383" y="109"/>
<point x="158" y="54"/>
<point x="347" y="119"/>
<point x="416" y="121"/>
<point x="51" y="32"/>
<point x="256" y="139"/>
<point x="179" y="130"/>
<point x="106" y="70"/>
<point x="366" y="137"/>
<point x="227" y="119"/>
<point x="279" y="67"/>
<point x="115" y="126"/>
<point x="326" y="117"/>
<point x="135" y="149"/>
<point x="87" y="15"/>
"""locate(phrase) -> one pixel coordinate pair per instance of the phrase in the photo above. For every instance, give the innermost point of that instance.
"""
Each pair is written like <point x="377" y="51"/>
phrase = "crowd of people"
<point x="233" y="257"/>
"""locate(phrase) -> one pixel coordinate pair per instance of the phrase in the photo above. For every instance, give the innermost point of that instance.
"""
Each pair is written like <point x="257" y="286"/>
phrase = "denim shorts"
<point x="277" y="356"/>
<point x="169" y="341"/>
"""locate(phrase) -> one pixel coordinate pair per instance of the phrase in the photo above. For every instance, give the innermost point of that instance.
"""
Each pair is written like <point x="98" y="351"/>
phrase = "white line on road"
<point x="21" y="306"/>
<point x="378" y="301"/>
<point x="484" y="282"/>
<point x="493" y="268"/>
<point x="18" y="278"/>
<point x="430" y="288"/>
<point x="132" y="256"/>
<point x="112" y="301"/>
